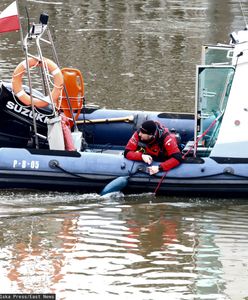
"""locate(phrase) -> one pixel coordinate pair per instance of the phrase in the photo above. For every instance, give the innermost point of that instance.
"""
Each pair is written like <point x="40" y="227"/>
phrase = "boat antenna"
<point x="28" y="19"/>
<point x="242" y="10"/>
<point x="24" y="47"/>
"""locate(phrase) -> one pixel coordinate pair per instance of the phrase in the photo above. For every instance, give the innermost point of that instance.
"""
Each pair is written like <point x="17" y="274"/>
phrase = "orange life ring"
<point x="33" y="62"/>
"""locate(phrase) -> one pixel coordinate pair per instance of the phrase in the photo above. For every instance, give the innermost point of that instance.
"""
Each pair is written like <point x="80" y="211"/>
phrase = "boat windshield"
<point x="218" y="54"/>
<point x="213" y="88"/>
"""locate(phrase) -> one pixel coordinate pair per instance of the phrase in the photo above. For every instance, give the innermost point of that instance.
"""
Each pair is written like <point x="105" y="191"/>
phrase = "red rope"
<point x="160" y="182"/>
<point x="203" y="134"/>
<point x="191" y="147"/>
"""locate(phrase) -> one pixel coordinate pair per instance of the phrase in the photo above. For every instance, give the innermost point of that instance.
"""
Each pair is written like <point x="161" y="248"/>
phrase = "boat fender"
<point x="69" y="145"/>
<point x="52" y="68"/>
<point x="119" y="183"/>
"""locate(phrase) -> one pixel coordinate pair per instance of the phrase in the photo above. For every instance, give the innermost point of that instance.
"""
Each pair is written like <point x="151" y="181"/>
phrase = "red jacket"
<point x="162" y="148"/>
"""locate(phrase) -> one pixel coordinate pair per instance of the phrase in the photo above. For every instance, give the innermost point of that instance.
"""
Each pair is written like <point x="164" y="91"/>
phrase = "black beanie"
<point x="148" y="127"/>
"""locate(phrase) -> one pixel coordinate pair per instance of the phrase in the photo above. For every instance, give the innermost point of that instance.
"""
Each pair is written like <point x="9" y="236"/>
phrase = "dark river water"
<point x="134" y="54"/>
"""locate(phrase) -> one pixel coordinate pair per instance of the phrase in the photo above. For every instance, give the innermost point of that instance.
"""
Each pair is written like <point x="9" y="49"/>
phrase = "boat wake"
<point x="18" y="203"/>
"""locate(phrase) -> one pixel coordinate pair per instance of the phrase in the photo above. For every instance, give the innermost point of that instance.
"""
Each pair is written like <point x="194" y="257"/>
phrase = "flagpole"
<point x="25" y="49"/>
<point x="21" y="31"/>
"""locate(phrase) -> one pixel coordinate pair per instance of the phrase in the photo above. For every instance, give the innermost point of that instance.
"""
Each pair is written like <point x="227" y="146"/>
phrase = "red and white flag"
<point x="9" y="20"/>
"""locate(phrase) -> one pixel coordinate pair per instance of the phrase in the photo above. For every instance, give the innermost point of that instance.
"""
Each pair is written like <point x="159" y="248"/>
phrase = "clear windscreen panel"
<point x="221" y="54"/>
<point x="214" y="84"/>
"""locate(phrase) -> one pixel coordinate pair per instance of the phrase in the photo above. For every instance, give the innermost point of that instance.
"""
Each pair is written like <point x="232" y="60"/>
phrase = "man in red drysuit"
<point x="154" y="142"/>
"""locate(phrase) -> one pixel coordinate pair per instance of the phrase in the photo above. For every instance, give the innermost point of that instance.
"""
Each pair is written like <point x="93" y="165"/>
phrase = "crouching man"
<point x="153" y="142"/>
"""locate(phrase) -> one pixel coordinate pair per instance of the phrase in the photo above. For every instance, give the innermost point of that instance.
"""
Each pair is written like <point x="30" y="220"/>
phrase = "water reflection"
<point x="182" y="250"/>
<point x="32" y="264"/>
